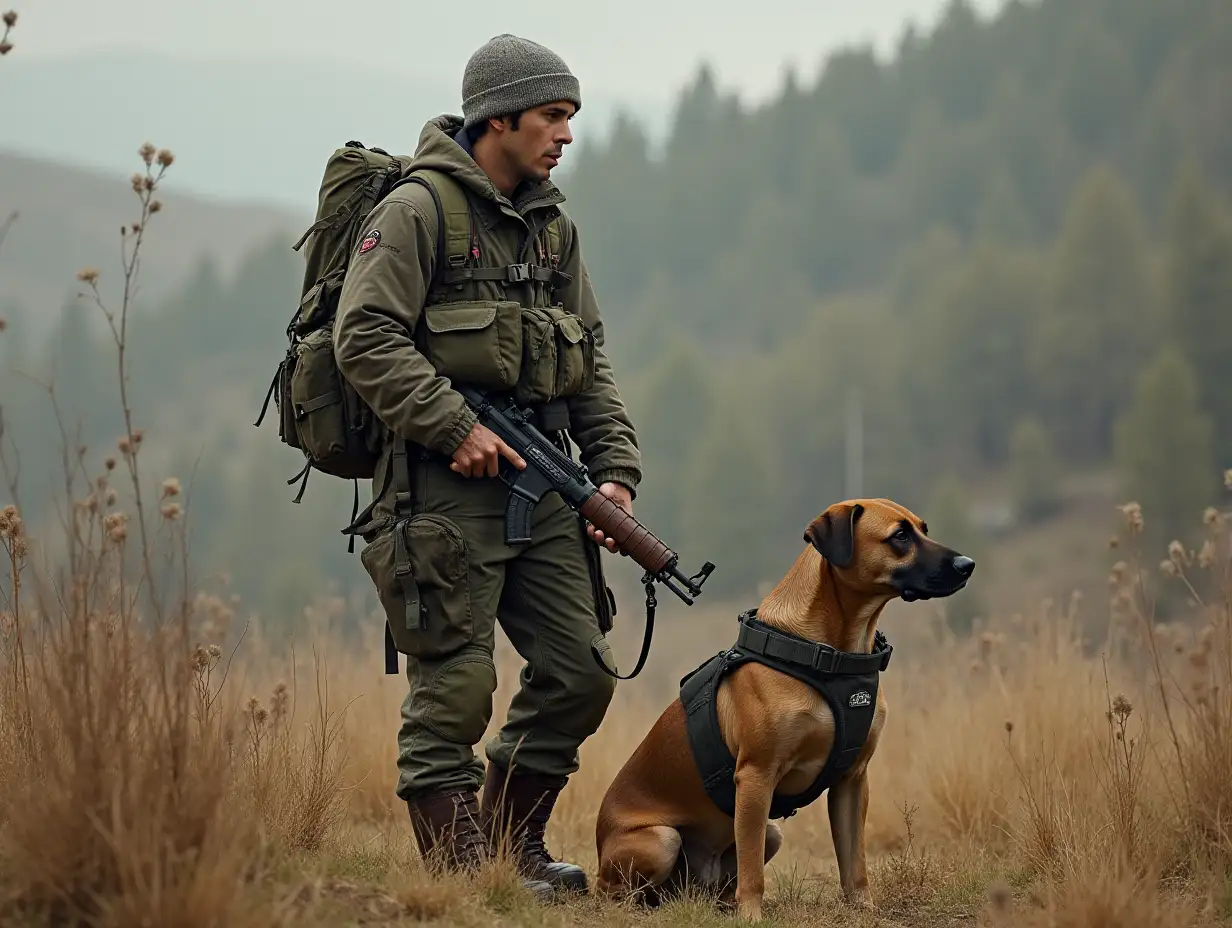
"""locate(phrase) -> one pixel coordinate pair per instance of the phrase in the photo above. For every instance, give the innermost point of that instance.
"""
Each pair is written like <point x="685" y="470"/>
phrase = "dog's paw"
<point x="749" y="910"/>
<point x="861" y="899"/>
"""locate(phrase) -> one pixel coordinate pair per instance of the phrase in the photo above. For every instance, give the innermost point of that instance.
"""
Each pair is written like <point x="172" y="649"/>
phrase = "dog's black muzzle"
<point x="933" y="576"/>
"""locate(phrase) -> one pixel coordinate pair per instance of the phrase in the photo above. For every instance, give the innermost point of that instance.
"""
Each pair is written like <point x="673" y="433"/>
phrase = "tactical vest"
<point x="524" y="342"/>
<point x="847" y="682"/>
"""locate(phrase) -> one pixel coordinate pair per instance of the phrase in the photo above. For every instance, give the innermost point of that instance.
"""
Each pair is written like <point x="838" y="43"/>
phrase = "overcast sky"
<point x="639" y="47"/>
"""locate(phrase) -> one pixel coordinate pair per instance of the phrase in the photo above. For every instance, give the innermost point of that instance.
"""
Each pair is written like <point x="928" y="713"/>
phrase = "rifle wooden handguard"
<point x="631" y="536"/>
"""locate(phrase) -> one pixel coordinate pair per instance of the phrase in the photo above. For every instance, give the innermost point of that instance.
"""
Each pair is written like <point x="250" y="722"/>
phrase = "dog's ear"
<point x="833" y="533"/>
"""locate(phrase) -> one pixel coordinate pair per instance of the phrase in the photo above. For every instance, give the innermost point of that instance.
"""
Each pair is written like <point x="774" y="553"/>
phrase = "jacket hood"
<point x="438" y="150"/>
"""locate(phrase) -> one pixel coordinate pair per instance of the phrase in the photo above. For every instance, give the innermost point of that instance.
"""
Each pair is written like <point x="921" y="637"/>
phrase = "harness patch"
<point x="846" y="681"/>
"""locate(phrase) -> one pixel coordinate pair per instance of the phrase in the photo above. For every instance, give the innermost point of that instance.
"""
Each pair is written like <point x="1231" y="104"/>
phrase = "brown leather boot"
<point x="519" y="806"/>
<point x="448" y="833"/>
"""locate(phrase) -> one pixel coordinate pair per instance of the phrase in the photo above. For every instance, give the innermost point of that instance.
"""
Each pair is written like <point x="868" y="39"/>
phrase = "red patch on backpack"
<point x="371" y="240"/>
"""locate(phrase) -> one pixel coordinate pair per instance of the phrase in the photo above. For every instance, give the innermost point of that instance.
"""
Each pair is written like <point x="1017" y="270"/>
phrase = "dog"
<point x="659" y="828"/>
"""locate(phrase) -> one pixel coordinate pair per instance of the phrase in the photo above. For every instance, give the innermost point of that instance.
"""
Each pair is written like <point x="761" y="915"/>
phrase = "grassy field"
<point x="165" y="763"/>
<point x="1029" y="774"/>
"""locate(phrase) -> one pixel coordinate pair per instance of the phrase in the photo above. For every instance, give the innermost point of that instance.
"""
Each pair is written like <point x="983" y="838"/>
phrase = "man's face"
<point x="536" y="146"/>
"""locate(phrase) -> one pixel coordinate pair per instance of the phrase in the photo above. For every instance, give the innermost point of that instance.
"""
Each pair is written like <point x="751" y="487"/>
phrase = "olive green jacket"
<point x="384" y="292"/>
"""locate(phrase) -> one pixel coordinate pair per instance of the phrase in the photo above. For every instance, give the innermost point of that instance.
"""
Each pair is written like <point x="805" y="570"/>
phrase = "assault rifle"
<point x="549" y="468"/>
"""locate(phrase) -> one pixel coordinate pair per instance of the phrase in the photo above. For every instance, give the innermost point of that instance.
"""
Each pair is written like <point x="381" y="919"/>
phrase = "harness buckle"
<point x="825" y="660"/>
<point x="519" y="273"/>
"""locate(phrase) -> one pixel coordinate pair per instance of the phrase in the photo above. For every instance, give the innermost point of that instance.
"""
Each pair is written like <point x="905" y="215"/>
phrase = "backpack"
<point x="319" y="413"/>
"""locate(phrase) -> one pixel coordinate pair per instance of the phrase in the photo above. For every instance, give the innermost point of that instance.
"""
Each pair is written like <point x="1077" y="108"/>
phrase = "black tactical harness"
<point x="847" y="682"/>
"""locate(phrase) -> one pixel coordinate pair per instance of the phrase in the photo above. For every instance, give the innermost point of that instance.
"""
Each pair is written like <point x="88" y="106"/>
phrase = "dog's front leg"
<point x="848" y="805"/>
<point x="754" y="791"/>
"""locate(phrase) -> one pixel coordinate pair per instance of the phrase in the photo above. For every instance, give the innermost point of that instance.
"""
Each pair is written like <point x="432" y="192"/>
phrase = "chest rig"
<point x="847" y="682"/>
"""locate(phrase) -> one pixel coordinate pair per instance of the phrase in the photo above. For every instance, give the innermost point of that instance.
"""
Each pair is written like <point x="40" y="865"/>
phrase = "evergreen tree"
<point x="1199" y="287"/>
<point x="1099" y="319"/>
<point x="1164" y="450"/>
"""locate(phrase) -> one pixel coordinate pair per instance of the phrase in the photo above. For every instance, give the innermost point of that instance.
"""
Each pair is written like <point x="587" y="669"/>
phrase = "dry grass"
<point x="162" y="764"/>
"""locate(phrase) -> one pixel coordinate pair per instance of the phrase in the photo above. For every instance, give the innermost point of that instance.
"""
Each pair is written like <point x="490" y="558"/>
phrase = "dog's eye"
<point x="900" y="535"/>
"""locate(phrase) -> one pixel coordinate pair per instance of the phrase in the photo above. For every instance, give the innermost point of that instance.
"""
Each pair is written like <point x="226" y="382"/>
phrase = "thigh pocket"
<point x="420" y="570"/>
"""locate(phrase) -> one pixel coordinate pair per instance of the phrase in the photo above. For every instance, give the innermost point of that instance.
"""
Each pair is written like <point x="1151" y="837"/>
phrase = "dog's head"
<point x="878" y="545"/>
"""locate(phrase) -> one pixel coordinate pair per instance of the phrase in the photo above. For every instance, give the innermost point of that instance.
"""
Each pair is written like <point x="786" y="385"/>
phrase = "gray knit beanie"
<point x="509" y="74"/>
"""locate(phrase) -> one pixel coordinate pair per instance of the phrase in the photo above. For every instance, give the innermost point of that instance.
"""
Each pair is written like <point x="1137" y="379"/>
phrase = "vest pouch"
<point x="558" y="355"/>
<point x="475" y="342"/>
<point x="331" y="423"/>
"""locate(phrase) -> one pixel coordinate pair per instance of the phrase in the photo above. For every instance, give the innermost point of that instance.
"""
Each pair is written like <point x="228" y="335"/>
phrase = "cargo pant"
<point x="468" y="579"/>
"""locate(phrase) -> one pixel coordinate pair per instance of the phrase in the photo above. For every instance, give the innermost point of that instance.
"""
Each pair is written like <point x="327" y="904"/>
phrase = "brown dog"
<point x="658" y="827"/>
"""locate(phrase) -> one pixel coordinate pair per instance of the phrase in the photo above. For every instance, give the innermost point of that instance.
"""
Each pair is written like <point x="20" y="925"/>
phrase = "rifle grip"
<point x="631" y="536"/>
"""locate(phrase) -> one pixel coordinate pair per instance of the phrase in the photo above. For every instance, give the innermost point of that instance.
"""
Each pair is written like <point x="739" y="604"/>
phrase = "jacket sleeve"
<point x="599" y="421"/>
<point x="380" y="303"/>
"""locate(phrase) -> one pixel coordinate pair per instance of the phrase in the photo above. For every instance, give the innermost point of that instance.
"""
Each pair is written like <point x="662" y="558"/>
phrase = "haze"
<point x="302" y="74"/>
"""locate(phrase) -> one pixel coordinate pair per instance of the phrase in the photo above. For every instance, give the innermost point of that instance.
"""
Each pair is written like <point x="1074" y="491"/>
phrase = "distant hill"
<point x="70" y="218"/>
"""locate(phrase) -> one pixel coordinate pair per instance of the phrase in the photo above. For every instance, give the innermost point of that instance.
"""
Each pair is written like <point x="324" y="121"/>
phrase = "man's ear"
<point x="833" y="533"/>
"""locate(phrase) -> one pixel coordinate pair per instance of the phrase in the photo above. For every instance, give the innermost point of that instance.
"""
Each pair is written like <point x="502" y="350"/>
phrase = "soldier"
<point x="493" y="298"/>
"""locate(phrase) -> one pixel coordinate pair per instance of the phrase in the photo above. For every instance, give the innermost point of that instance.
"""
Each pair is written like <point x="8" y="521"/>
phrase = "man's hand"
<point x="620" y="495"/>
<point x="480" y="454"/>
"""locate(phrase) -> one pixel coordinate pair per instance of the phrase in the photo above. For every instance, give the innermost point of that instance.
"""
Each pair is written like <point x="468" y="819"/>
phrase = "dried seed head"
<point x="136" y="227"/>
<point x="165" y="157"/>
<point x="88" y="275"/>
<point x="214" y="651"/>
<point x="147" y="152"/>
<point x="156" y="206"/>
<point x="147" y="183"/>
<point x="1009" y="726"/>
<point x="1206" y="557"/>
<point x="8" y="515"/>
<point x="138" y="182"/>
<point x="1176" y="553"/>
<point x="10" y="18"/>
<point x="1210" y="517"/>
<point x="280" y="699"/>
<point x="1121" y="707"/>
<point x="170" y="511"/>
<point x="115" y="525"/>
<point x="1114" y="542"/>
<point x="124" y="445"/>
<point x="3" y="324"/>
<point x="111" y="497"/>
<point x="1170" y="568"/>
<point x="138" y="435"/>
<point x="110" y="463"/>
<point x="5" y="47"/>
<point x="1133" y="517"/>
<point x="171" y="487"/>
<point x="200" y="659"/>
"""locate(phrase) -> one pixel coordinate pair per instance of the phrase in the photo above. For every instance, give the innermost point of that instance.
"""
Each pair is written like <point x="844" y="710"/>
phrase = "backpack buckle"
<point x="518" y="273"/>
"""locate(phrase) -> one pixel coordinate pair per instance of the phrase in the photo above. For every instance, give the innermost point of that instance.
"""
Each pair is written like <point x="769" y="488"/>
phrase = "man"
<point x="406" y="325"/>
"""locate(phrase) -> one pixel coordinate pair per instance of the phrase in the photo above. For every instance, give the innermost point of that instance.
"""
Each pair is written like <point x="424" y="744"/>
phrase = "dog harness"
<point x="847" y="682"/>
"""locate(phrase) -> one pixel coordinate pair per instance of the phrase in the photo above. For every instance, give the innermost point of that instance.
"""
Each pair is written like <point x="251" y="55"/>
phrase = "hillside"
<point x="70" y="218"/>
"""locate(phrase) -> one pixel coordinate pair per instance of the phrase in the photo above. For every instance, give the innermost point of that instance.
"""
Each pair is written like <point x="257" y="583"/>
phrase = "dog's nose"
<point x="964" y="565"/>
